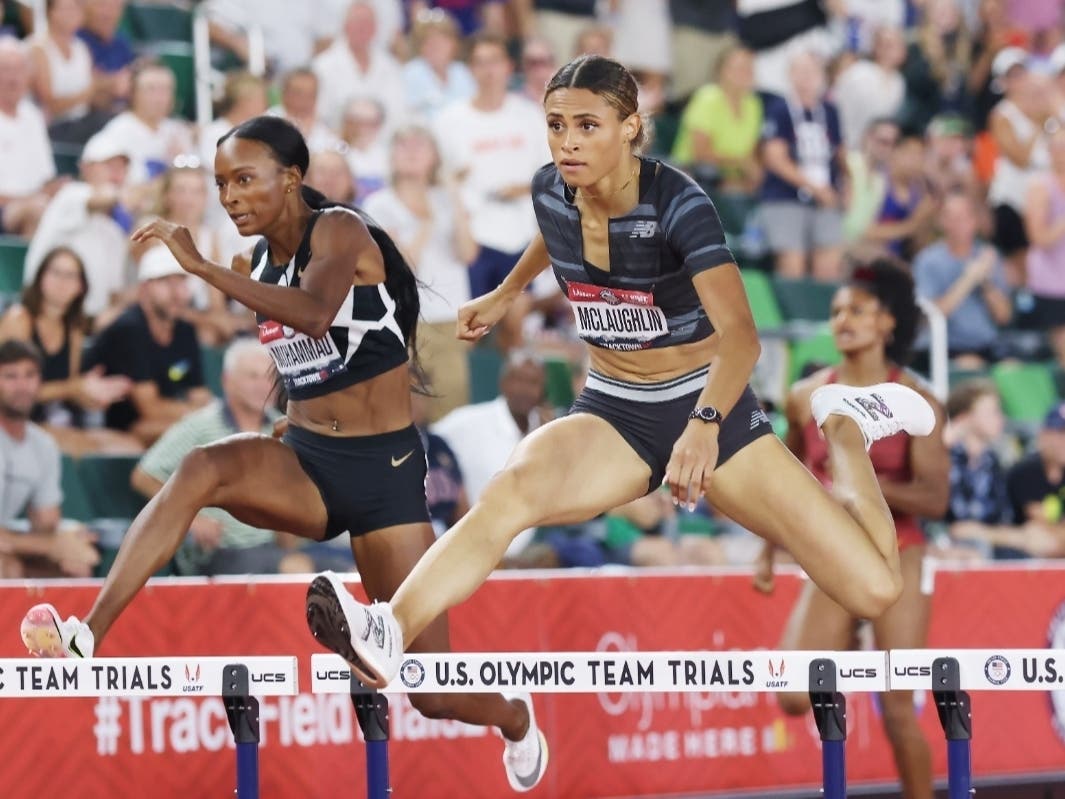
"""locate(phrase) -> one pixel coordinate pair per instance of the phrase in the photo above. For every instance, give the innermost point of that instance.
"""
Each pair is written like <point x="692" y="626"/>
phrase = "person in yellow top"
<point x="721" y="125"/>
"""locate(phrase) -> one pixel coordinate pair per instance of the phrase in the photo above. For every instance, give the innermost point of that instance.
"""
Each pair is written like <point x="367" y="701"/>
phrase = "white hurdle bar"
<point x="238" y="680"/>
<point x="949" y="674"/>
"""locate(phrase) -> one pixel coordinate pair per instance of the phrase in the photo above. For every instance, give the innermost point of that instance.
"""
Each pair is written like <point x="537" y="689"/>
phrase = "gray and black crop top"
<point x="646" y="300"/>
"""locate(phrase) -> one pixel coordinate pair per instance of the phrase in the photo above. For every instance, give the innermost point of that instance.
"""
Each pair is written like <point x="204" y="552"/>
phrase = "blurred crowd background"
<point x="933" y="130"/>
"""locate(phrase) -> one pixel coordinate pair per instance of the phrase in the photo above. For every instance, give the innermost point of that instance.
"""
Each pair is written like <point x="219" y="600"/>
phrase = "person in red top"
<point x="874" y="320"/>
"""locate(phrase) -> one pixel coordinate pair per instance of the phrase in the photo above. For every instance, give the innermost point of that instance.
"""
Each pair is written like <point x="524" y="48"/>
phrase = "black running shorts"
<point x="651" y="416"/>
<point x="367" y="482"/>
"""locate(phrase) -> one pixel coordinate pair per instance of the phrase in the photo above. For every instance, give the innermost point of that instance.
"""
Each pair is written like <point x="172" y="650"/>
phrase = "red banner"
<point x="604" y="745"/>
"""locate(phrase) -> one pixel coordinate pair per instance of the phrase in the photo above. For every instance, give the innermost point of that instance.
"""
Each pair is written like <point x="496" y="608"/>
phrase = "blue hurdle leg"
<point x="371" y="710"/>
<point x="955" y="715"/>
<point x="242" y="710"/>
<point x="248" y="770"/>
<point x="959" y="769"/>
<point x="830" y="713"/>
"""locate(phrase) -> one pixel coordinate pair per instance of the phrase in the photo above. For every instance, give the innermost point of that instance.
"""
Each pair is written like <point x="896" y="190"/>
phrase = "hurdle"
<point x="238" y="680"/>
<point x="824" y="675"/>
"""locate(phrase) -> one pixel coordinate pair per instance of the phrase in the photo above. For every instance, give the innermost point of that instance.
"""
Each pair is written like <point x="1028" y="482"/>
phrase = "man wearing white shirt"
<point x="27" y="168"/>
<point x="151" y="137"/>
<point x="292" y="32"/>
<point x="353" y="67"/>
<point x="493" y="144"/>
<point x="88" y="216"/>
<point x="300" y="91"/>
<point x="483" y="436"/>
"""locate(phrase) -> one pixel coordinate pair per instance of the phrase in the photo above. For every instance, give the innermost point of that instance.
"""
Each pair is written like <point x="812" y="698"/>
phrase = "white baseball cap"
<point x="156" y="263"/>
<point x="103" y="147"/>
<point x="1007" y="59"/>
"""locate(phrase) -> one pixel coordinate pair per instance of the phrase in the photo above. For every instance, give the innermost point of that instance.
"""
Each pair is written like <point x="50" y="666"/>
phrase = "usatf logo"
<point x="874" y="404"/>
<point x="644" y="229"/>
<point x="412" y="673"/>
<point x="192" y="680"/>
<point x="997" y="670"/>
<point x="776" y="674"/>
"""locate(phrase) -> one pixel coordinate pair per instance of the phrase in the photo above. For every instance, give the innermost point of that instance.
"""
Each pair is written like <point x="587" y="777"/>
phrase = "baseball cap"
<point x="1055" y="420"/>
<point x="1007" y="59"/>
<point x="103" y="147"/>
<point x="158" y="262"/>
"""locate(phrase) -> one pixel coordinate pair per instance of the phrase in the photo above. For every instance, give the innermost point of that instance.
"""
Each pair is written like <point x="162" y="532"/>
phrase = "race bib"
<point x="616" y="319"/>
<point x="300" y="360"/>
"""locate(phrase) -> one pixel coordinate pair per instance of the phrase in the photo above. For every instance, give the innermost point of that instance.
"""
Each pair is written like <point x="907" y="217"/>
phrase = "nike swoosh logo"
<point x="399" y="461"/>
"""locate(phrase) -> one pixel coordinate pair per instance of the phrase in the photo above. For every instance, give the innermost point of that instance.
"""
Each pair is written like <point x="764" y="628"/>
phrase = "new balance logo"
<point x="874" y="404"/>
<point x="375" y="628"/>
<point x="758" y="417"/>
<point x="644" y="229"/>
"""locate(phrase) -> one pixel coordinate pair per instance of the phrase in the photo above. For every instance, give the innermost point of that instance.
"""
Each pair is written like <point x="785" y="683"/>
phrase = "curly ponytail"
<point x="891" y="283"/>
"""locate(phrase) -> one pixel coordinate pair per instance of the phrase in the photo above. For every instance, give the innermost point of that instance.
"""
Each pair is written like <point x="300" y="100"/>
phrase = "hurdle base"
<point x="955" y="716"/>
<point x="371" y="711"/>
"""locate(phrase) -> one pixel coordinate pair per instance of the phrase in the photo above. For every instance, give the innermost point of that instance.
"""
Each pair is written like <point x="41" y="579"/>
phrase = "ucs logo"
<point x="274" y="677"/>
<point x="858" y="674"/>
<point x="912" y="671"/>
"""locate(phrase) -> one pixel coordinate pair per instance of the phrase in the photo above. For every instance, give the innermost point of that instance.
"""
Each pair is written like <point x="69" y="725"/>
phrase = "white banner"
<point x="125" y="677"/>
<point x="612" y="672"/>
<point x="982" y="669"/>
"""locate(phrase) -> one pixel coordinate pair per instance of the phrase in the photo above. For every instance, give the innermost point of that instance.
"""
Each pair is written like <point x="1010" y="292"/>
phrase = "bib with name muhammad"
<point x="300" y="359"/>
<point x="616" y="319"/>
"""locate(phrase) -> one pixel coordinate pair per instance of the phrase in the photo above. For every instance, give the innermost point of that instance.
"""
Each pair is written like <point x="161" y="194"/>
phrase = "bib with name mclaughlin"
<point x="616" y="319"/>
<point x="300" y="359"/>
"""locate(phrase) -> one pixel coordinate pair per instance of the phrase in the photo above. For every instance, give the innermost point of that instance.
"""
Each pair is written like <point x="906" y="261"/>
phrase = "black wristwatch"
<point x="707" y="413"/>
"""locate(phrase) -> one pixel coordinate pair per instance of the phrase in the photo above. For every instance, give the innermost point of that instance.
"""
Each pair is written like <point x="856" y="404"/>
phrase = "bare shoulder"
<point x="341" y="228"/>
<point x="16" y="322"/>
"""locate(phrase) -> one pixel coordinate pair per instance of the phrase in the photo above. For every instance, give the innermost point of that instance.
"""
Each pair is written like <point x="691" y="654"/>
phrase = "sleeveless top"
<point x="890" y="457"/>
<point x="68" y="76"/>
<point x="364" y="341"/>
<point x="55" y="366"/>
<point x="646" y="300"/>
<point x="1010" y="183"/>
<point x="1046" y="265"/>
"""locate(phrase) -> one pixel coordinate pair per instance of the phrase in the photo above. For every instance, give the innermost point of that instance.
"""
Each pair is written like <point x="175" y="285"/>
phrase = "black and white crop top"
<point x="646" y="300"/>
<point x="364" y="341"/>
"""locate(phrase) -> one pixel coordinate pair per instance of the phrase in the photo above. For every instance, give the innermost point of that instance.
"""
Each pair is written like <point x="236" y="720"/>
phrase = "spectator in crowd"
<point x="293" y="33"/>
<point x="329" y="172"/>
<point x="353" y="67"/>
<point x="995" y="32"/>
<point x="642" y="43"/>
<point x="561" y="22"/>
<point x="472" y="15"/>
<point x="43" y="545"/>
<point x="299" y="105"/>
<point x="778" y="31"/>
<point x="183" y="199"/>
<point x="871" y="88"/>
<point x="702" y="31"/>
<point x="803" y="157"/>
<point x="966" y="280"/>
<point x="1045" y="229"/>
<point x="948" y="163"/>
<point x="152" y="138"/>
<point x="538" y="66"/>
<point x="1057" y="73"/>
<point x="643" y="533"/>
<point x="445" y="491"/>
<point x="27" y="170"/>
<point x="594" y="40"/>
<point x="156" y="349"/>
<point x="62" y="65"/>
<point x="905" y="219"/>
<point x="1036" y="486"/>
<point x="217" y="543"/>
<point x="364" y="133"/>
<point x="719" y="131"/>
<point x="937" y="66"/>
<point x="243" y="97"/>
<point x="112" y="54"/>
<point x="867" y="172"/>
<point x="90" y="217"/>
<point x="426" y="219"/>
<point x="1017" y="128"/>
<point x="483" y="435"/>
<point x="493" y="144"/>
<point x="50" y="317"/>
<point x="435" y="76"/>
<point x="979" y="511"/>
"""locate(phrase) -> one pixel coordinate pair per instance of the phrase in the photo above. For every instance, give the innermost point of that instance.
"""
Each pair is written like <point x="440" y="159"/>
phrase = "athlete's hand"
<point x="692" y="463"/>
<point x="177" y="239"/>
<point x="477" y="317"/>
<point x="763" y="569"/>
